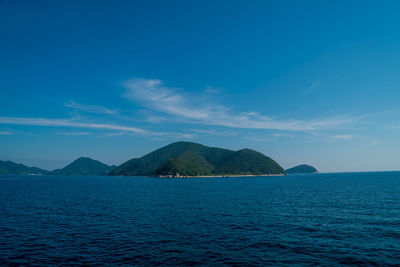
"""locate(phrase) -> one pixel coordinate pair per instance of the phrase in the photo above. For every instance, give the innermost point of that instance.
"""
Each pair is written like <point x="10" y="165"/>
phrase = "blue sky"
<point x="313" y="82"/>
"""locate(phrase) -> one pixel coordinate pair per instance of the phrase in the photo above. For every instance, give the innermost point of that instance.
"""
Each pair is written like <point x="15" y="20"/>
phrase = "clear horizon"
<point x="306" y="82"/>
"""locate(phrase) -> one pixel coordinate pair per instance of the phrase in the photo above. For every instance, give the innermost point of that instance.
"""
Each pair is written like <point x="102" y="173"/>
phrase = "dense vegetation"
<point x="9" y="167"/>
<point x="191" y="159"/>
<point x="247" y="161"/>
<point x="302" y="169"/>
<point x="84" y="166"/>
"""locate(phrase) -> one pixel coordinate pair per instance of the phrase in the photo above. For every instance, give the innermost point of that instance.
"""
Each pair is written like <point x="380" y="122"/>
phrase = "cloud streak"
<point x="68" y="123"/>
<point x="120" y="129"/>
<point x="173" y="101"/>
<point x="73" y="133"/>
<point x="214" y="132"/>
<point x="343" y="136"/>
<point x="90" y="108"/>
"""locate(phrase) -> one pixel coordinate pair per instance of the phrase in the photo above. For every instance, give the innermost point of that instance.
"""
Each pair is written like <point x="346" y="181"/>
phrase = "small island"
<point x="84" y="166"/>
<point x="302" y="169"/>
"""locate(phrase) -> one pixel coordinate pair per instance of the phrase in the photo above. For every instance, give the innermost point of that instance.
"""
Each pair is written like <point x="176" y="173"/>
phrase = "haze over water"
<point x="348" y="218"/>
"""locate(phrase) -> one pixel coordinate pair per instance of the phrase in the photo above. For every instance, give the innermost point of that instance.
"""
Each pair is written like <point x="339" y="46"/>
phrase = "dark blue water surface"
<point x="325" y="219"/>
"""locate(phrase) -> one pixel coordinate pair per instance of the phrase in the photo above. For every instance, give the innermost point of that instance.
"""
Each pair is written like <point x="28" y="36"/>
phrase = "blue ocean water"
<point x="327" y="219"/>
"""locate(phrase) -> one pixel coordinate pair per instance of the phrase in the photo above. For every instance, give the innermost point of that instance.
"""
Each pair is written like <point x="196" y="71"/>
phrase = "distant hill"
<point x="300" y="169"/>
<point x="9" y="167"/>
<point x="84" y="166"/>
<point x="191" y="159"/>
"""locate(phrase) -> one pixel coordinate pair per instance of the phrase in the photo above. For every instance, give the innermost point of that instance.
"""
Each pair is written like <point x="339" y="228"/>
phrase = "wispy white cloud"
<point x="73" y="133"/>
<point x="90" y="108"/>
<point x="119" y="129"/>
<point x="257" y="139"/>
<point x="185" y="136"/>
<point x="343" y="136"/>
<point x="118" y="134"/>
<point x="165" y="99"/>
<point x="284" y="135"/>
<point x="214" y="132"/>
<point x="173" y="101"/>
<point x="5" y="133"/>
<point x="68" y="123"/>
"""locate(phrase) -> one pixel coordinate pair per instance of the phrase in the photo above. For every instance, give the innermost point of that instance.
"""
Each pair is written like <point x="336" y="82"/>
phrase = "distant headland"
<point x="9" y="167"/>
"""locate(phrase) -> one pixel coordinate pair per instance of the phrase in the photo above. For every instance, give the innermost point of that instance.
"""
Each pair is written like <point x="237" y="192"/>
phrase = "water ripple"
<point x="327" y="219"/>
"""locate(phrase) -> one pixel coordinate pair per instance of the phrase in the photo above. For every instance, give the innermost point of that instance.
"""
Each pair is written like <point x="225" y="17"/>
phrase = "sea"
<point x="320" y="219"/>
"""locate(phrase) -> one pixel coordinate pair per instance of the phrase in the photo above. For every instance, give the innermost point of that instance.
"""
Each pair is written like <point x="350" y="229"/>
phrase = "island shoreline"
<point x="202" y="176"/>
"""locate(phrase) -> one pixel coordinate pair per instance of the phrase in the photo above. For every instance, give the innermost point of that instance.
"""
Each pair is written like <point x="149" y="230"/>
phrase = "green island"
<point x="9" y="167"/>
<point x="84" y="166"/>
<point x="302" y="169"/>
<point x="187" y="159"/>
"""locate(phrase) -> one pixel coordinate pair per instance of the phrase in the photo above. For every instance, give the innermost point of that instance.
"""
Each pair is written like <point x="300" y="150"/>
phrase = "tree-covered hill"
<point x="191" y="159"/>
<point x="9" y="167"/>
<point x="84" y="166"/>
<point x="247" y="161"/>
<point x="300" y="169"/>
